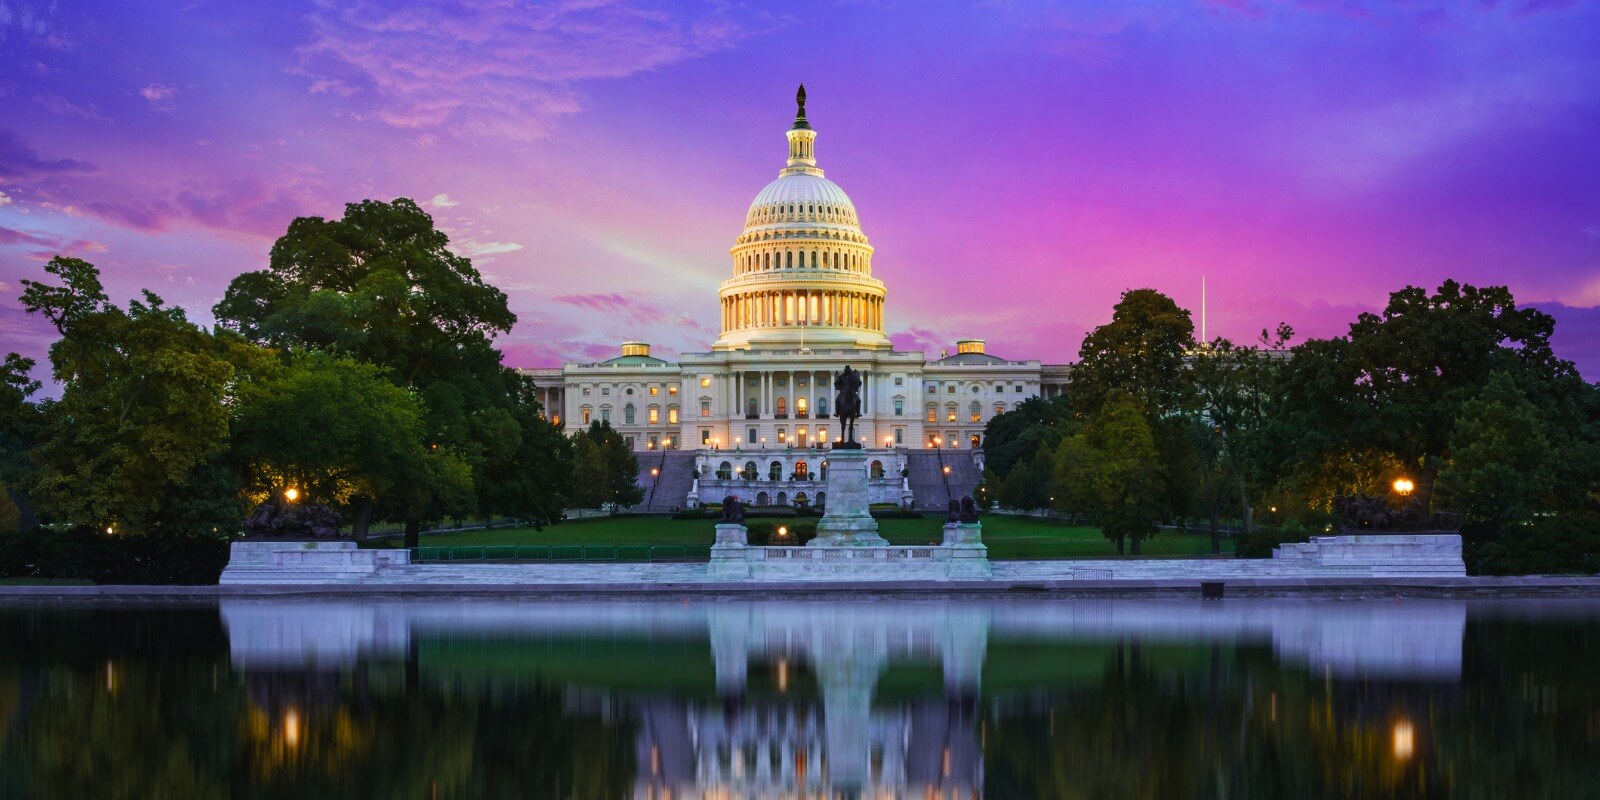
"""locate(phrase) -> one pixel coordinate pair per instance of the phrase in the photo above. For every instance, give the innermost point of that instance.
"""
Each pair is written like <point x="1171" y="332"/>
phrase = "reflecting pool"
<point x="873" y="697"/>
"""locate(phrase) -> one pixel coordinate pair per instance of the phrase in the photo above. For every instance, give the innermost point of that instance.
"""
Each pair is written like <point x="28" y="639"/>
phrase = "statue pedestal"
<point x="728" y="558"/>
<point x="848" y="521"/>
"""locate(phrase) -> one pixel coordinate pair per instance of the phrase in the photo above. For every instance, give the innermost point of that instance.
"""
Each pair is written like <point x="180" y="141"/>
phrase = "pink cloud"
<point x="496" y="69"/>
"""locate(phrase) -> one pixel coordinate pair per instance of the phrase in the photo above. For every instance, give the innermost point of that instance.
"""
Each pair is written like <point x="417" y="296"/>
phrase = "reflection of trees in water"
<point x="148" y="706"/>
<point x="1524" y="722"/>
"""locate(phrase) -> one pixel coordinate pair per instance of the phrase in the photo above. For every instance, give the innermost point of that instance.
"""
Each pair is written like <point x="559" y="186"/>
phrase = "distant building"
<point x="801" y="305"/>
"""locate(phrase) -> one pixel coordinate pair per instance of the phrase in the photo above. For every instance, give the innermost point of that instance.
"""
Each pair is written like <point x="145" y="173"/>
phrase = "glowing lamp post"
<point x="1403" y="486"/>
<point x="291" y="494"/>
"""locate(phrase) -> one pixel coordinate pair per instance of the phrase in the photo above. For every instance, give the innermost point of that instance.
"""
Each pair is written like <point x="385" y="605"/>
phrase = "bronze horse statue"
<point x="847" y="406"/>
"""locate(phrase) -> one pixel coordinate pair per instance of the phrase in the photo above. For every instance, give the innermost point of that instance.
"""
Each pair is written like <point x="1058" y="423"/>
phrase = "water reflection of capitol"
<point x="800" y="708"/>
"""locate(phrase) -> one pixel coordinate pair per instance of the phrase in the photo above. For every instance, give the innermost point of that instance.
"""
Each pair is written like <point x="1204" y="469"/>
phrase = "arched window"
<point x="950" y="412"/>
<point x="753" y="408"/>
<point x="775" y="471"/>
<point x="802" y="259"/>
<point x="822" y="499"/>
<point x="762" y="499"/>
<point x="999" y="408"/>
<point x="976" y="411"/>
<point x="800" y="408"/>
<point x="783" y="498"/>
<point x="781" y="406"/>
<point x="788" y="260"/>
<point x="801" y="470"/>
<point x="799" y="499"/>
<point x="822" y="406"/>
<point x="653" y="413"/>
<point x="877" y="469"/>
<point x="627" y="414"/>
<point x="975" y="441"/>
<point x="587" y="413"/>
<point x="749" y="473"/>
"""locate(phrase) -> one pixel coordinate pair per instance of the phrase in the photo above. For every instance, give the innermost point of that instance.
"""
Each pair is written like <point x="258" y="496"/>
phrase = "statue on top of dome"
<point x="800" y="122"/>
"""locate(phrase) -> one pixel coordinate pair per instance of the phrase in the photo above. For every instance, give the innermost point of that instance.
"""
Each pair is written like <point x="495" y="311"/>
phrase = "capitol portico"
<point x="801" y="305"/>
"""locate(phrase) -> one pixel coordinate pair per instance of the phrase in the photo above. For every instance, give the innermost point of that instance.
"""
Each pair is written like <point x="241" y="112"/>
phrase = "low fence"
<point x="587" y="553"/>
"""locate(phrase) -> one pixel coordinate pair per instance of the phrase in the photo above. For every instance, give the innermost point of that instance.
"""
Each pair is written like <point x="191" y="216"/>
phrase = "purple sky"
<point x="1016" y="164"/>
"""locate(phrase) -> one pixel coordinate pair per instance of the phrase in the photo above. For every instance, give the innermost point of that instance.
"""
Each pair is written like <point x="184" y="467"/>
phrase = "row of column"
<point x="778" y="308"/>
<point x="789" y="259"/>
<point x="819" y="383"/>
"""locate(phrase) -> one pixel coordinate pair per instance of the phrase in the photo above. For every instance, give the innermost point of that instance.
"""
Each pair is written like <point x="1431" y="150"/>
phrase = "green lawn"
<point x="1007" y="537"/>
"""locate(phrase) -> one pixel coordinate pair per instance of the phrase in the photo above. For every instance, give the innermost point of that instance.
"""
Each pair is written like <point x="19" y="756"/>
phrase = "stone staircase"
<point x="931" y="489"/>
<point x="670" y="489"/>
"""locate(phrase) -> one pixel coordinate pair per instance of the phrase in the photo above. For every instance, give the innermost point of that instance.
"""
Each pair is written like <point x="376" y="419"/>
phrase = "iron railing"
<point x="587" y="553"/>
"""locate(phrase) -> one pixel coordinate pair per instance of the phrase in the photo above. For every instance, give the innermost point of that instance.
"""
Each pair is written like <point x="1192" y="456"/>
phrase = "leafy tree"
<point x="1501" y="461"/>
<point x="1014" y="437"/>
<point x="1029" y="484"/>
<point x="10" y="515"/>
<point x="381" y="285"/>
<point x="141" y="404"/>
<point x="1112" y="470"/>
<point x="1399" y="380"/>
<point x="1235" y="388"/>
<point x="331" y="426"/>
<point x="20" y="423"/>
<point x="532" y="482"/>
<point x="613" y="462"/>
<point x="1140" y="351"/>
<point x="588" y="488"/>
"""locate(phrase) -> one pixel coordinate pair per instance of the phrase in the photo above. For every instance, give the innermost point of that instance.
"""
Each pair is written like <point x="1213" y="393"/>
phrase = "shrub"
<point x="766" y="533"/>
<point x="83" y="554"/>
<point x="1561" y="545"/>
<point x="1260" y="542"/>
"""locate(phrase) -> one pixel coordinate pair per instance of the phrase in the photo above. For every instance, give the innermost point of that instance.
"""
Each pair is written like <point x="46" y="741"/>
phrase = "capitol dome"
<point x="802" y="267"/>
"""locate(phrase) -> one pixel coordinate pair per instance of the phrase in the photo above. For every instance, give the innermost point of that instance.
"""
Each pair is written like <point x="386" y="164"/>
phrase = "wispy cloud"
<point x="440" y="201"/>
<point x="472" y="248"/>
<point x="56" y="104"/>
<point x="496" y="69"/>
<point x="158" y="93"/>
<point x="18" y="160"/>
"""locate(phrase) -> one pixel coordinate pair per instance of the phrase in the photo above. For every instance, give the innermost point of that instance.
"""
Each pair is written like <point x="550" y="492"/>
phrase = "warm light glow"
<point x="110" y="530"/>
<point x="947" y="470"/>
<point x="654" y="471"/>
<point x="783" y="531"/>
<point x="1403" y="485"/>
<point x="291" y="728"/>
<point x="291" y="494"/>
<point x="783" y="675"/>
<point x="1405" y="740"/>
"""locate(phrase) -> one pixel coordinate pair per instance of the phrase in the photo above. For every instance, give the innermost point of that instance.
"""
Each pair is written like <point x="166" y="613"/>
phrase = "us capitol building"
<point x="751" y="417"/>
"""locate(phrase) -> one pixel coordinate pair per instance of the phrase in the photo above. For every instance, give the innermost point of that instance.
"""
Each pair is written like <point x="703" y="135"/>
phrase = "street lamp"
<point x="947" y="470"/>
<point x="1403" y="486"/>
<point x="291" y="494"/>
<point x="654" y="471"/>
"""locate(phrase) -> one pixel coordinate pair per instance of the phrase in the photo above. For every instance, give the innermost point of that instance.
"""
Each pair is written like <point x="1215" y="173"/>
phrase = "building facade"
<point x="801" y="304"/>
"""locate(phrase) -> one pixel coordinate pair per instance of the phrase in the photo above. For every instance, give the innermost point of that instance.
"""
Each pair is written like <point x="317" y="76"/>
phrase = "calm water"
<point x="871" y="698"/>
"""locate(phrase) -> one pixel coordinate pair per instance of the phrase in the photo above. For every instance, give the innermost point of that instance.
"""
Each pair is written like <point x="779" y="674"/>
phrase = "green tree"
<point x="1111" y="469"/>
<point x="141" y="404"/>
<point x="1014" y="437"/>
<point x="332" y="427"/>
<point x="1501" y="465"/>
<point x="616" y="463"/>
<point x="20" y="423"/>
<point x="531" y="483"/>
<point x="1397" y="383"/>
<point x="1029" y="484"/>
<point x="381" y="285"/>
<point x="588" y="486"/>
<point x="1235" y="389"/>
<point x="1140" y="351"/>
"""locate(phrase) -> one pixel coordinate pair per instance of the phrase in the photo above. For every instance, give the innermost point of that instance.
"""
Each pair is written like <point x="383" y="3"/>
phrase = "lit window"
<point x="705" y="436"/>
<point x="672" y="391"/>
<point x="672" y="415"/>
<point x="976" y="412"/>
<point x="705" y="382"/>
<point x="933" y="413"/>
<point x="655" y="415"/>
<point x="705" y="408"/>
<point x="586" y="413"/>
<point x="950" y="416"/>
<point x="654" y="391"/>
